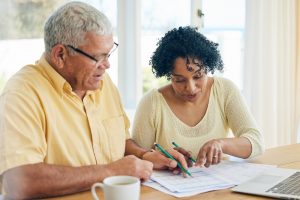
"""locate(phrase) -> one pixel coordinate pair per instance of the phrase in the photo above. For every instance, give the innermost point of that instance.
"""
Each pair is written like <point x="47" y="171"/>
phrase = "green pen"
<point x="171" y="157"/>
<point x="192" y="159"/>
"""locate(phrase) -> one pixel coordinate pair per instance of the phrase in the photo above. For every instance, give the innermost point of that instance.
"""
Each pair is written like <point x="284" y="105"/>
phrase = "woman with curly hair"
<point x="197" y="110"/>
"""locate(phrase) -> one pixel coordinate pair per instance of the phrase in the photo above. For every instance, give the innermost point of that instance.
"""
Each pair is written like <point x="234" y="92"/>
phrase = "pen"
<point x="192" y="159"/>
<point x="171" y="157"/>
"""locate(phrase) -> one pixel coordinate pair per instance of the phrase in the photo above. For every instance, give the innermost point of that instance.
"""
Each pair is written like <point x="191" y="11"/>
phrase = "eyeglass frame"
<point x="92" y="57"/>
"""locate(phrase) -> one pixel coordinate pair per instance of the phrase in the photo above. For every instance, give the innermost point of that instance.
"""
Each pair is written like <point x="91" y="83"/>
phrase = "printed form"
<point x="224" y="175"/>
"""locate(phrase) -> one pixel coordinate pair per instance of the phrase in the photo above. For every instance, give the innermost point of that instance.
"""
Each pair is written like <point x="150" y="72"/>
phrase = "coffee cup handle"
<point x="94" y="187"/>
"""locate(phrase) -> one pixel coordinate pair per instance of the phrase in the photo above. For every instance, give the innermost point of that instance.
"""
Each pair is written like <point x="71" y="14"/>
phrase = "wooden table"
<point x="284" y="156"/>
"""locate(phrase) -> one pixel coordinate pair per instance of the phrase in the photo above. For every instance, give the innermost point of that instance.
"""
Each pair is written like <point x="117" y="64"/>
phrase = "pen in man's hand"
<point x="171" y="157"/>
<point x="192" y="159"/>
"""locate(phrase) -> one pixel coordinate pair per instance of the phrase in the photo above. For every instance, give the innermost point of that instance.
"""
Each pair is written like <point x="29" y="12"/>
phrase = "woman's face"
<point x="188" y="79"/>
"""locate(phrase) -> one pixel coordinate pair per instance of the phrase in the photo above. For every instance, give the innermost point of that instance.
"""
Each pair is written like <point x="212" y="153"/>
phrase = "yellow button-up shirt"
<point x="42" y="120"/>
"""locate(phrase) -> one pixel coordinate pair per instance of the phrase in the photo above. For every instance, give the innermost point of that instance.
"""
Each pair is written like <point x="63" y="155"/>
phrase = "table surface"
<point x="283" y="156"/>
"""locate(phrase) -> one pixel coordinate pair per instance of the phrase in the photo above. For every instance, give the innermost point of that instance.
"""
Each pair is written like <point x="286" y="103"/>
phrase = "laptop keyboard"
<point x="290" y="185"/>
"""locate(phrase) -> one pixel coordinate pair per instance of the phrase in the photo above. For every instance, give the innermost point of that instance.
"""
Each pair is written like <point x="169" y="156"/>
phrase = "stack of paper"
<point x="224" y="175"/>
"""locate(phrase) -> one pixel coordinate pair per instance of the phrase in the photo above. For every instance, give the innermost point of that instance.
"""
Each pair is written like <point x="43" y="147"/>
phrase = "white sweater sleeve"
<point x="240" y="119"/>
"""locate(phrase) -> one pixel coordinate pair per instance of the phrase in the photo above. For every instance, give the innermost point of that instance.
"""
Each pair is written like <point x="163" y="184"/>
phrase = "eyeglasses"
<point x="101" y="58"/>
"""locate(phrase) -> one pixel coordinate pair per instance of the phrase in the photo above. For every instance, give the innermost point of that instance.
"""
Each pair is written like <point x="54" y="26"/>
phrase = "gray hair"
<point x="69" y="23"/>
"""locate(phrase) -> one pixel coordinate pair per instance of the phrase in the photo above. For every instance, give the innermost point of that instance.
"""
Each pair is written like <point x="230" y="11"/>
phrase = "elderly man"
<point x="62" y="124"/>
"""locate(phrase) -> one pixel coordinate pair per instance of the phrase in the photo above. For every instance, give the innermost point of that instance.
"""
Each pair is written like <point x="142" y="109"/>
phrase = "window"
<point x="224" y="23"/>
<point x="22" y="41"/>
<point x="155" y="24"/>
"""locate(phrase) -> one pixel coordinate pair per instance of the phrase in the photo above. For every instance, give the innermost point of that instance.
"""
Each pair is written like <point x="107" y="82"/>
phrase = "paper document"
<point x="201" y="180"/>
<point x="159" y="187"/>
<point x="237" y="172"/>
<point x="224" y="175"/>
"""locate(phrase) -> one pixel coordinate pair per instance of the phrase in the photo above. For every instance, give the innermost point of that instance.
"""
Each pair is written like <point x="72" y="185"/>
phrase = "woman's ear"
<point x="58" y="55"/>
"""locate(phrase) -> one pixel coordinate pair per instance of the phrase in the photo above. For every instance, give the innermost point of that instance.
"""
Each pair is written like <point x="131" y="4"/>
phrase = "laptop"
<point x="277" y="182"/>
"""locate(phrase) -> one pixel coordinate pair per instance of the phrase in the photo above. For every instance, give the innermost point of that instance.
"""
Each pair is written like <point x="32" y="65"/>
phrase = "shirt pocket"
<point x="116" y="136"/>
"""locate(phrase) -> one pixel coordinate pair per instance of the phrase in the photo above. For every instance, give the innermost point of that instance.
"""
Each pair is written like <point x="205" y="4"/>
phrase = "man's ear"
<point x="58" y="55"/>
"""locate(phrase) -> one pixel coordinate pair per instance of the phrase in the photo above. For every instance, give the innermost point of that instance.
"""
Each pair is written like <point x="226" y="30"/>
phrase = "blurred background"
<point x="258" y="41"/>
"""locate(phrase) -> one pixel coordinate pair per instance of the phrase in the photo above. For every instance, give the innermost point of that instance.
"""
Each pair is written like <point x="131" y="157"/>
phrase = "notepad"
<point x="224" y="175"/>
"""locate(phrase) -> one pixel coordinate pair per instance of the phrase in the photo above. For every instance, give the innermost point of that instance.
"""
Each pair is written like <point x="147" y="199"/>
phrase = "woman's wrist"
<point x="222" y="143"/>
<point x="144" y="153"/>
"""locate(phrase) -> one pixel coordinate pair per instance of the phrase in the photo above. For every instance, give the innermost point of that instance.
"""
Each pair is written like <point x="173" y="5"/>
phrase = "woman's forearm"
<point x="239" y="147"/>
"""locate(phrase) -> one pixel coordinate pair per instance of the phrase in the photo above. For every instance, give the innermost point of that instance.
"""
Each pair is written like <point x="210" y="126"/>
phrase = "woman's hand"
<point x="210" y="153"/>
<point x="187" y="155"/>
<point x="160" y="161"/>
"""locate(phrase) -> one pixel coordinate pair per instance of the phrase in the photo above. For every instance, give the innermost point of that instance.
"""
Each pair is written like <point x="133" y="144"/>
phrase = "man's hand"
<point x="133" y="166"/>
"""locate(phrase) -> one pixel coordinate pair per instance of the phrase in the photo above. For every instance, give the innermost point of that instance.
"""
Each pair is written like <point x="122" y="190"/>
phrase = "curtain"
<point x="271" y="73"/>
<point x="297" y="113"/>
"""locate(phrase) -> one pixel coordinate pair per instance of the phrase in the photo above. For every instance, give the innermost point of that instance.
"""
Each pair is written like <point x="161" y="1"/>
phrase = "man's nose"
<point x="105" y="64"/>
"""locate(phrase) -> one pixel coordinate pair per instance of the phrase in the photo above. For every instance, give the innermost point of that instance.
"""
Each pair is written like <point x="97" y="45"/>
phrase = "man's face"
<point x="86" y="72"/>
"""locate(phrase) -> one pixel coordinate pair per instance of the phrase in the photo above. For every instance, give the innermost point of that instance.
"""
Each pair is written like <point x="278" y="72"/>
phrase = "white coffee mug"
<point x="119" y="188"/>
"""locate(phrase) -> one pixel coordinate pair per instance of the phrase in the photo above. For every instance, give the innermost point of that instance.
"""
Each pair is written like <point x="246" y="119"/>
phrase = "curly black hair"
<point x="184" y="42"/>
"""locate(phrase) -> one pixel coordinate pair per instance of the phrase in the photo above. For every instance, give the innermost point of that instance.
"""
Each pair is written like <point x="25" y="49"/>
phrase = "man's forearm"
<point x="44" y="180"/>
